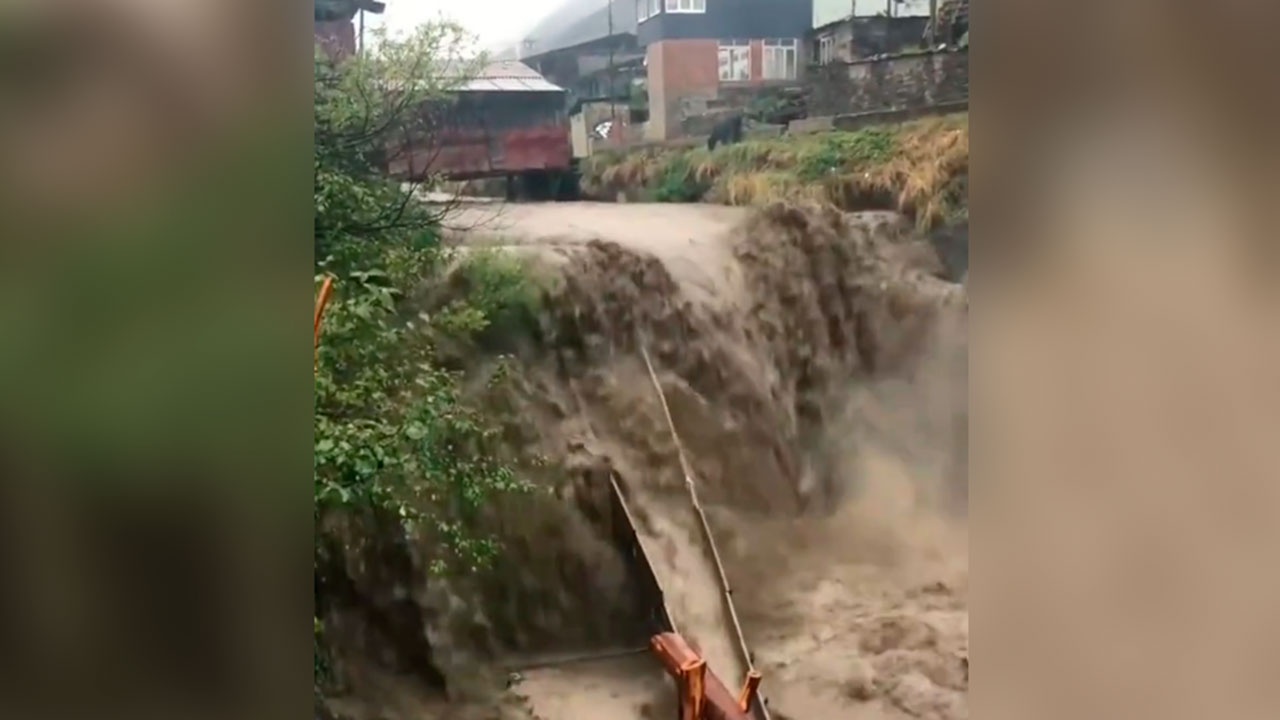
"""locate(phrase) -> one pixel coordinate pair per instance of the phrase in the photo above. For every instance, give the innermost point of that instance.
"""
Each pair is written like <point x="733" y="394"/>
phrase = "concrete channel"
<point x="688" y="593"/>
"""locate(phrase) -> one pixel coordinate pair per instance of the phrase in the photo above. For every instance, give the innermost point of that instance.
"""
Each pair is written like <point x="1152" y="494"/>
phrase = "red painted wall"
<point x="469" y="154"/>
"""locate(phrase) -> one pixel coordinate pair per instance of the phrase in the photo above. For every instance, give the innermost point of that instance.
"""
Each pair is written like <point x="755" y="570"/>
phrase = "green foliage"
<point x="678" y="182"/>
<point x="845" y="151"/>
<point x="638" y="97"/>
<point x="365" y="110"/>
<point x="393" y="433"/>
<point x="399" y="445"/>
<point x="323" y="672"/>
<point x="394" y="436"/>
<point x="743" y="157"/>
<point x="918" y="167"/>
<point x="505" y="287"/>
<point x="776" y="108"/>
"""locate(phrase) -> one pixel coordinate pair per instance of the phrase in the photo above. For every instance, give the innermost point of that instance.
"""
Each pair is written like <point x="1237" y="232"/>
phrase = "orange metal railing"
<point x="322" y="301"/>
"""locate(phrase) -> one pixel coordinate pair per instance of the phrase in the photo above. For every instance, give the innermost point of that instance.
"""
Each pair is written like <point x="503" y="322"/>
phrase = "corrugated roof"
<point x="509" y="76"/>
<point x="509" y="85"/>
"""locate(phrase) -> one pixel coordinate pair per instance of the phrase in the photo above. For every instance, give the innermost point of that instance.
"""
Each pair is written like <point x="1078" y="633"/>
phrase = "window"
<point x="735" y="61"/>
<point x="686" y="6"/>
<point x="826" y="49"/>
<point x="780" y="59"/>
<point x="646" y="9"/>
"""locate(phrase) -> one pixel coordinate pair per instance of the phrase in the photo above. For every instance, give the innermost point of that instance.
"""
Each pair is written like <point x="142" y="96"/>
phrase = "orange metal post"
<point x="322" y="300"/>
<point x="694" y="679"/>
<point x="701" y="691"/>
<point x="749" y="688"/>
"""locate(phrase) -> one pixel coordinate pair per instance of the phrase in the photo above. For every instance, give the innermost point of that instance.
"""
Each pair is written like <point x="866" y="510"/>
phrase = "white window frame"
<point x="738" y="67"/>
<point x="826" y="50"/>
<point x="646" y="9"/>
<point x="686" y="6"/>
<point x="780" y="51"/>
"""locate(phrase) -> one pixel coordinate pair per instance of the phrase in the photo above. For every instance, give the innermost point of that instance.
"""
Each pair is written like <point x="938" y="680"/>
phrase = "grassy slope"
<point x="920" y="168"/>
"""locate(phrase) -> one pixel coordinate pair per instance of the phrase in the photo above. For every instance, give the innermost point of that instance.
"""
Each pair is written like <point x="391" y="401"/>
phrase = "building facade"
<point x="855" y="38"/>
<point x="696" y="48"/>
<point x="589" y="48"/>
<point x="829" y="11"/>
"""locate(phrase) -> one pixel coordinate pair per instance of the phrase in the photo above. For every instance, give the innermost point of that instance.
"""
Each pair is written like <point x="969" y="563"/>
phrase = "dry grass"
<point x="919" y="168"/>
<point x="932" y="155"/>
<point x="763" y="187"/>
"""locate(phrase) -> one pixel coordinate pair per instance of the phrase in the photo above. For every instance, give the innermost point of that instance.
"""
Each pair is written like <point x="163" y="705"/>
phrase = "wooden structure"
<point x="508" y="122"/>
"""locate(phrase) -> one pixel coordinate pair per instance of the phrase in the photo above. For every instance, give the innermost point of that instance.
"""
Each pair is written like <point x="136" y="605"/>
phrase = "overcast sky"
<point x="506" y="21"/>
<point x="494" y="21"/>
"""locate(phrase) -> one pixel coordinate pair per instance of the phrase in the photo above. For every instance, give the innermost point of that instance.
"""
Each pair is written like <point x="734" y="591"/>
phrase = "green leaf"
<point x="397" y="439"/>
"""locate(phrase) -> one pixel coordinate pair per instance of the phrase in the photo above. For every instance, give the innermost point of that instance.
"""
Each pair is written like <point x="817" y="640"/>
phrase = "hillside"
<point x="919" y="168"/>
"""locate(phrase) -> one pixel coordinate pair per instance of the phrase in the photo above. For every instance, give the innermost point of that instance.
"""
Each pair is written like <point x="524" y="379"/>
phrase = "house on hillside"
<point x="882" y="64"/>
<point x="505" y="121"/>
<point x="589" y="48"/>
<point x="829" y="11"/>
<point x="855" y="38"/>
<point x="699" y="51"/>
<point x="845" y="31"/>
<point x="673" y="58"/>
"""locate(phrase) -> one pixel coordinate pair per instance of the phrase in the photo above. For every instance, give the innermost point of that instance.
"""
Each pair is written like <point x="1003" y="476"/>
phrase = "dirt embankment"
<point x="919" y="168"/>
<point x="814" y="367"/>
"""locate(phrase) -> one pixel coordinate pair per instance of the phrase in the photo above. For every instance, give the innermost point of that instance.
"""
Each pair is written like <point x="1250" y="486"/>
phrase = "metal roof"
<point x="509" y="76"/>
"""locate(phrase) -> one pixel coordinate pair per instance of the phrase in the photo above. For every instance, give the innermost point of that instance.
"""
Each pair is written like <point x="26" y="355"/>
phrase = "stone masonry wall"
<point x="908" y="81"/>
<point x="698" y="115"/>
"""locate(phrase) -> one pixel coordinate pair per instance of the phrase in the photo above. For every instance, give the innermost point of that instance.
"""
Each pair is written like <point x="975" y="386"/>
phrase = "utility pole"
<point x="360" y="45"/>
<point x="613" y="92"/>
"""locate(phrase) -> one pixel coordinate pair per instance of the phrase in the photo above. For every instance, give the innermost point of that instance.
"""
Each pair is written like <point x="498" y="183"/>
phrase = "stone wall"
<point x="863" y="37"/>
<point x="907" y="81"/>
<point x="698" y="115"/>
<point x="621" y="132"/>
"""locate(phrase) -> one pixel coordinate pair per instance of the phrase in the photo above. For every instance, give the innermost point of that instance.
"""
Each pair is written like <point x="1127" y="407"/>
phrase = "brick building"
<point x="695" y="49"/>
<point x="690" y="53"/>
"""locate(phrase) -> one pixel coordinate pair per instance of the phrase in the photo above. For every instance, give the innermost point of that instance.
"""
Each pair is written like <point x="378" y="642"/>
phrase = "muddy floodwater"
<point x="813" y="362"/>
